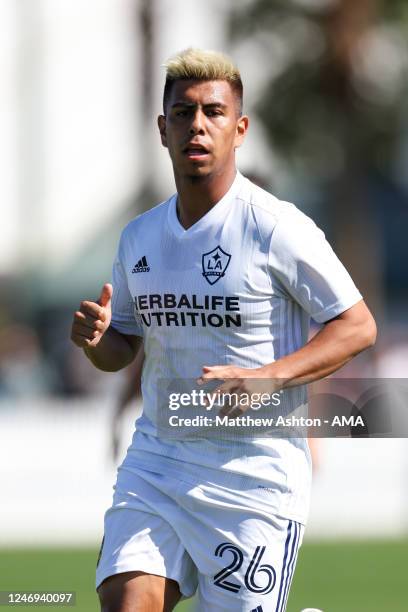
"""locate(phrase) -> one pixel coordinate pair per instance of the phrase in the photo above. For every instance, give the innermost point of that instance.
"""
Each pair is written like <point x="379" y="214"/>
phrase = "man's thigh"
<point x="138" y="539"/>
<point x="138" y="592"/>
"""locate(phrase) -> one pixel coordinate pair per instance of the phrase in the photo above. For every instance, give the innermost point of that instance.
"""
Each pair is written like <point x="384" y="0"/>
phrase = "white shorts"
<point x="204" y="536"/>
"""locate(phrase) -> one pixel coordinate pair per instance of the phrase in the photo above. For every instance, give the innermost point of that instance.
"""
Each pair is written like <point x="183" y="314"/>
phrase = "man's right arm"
<point x="105" y="347"/>
<point x="114" y="351"/>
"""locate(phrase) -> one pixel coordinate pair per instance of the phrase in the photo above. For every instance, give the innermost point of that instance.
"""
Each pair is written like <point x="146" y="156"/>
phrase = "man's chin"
<point x="194" y="171"/>
<point x="198" y="171"/>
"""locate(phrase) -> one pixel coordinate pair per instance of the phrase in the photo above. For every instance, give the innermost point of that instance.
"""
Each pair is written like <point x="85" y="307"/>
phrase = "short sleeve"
<point x="123" y="311"/>
<point x="308" y="269"/>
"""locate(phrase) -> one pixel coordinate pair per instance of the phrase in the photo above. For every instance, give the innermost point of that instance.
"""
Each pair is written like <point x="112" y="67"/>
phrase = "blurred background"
<point x="326" y="88"/>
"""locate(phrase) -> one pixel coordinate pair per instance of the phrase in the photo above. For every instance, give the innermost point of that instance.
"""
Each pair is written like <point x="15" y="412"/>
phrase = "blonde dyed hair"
<point x="202" y="65"/>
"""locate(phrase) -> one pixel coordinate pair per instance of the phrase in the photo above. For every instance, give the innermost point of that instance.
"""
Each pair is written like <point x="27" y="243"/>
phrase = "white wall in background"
<point x="359" y="488"/>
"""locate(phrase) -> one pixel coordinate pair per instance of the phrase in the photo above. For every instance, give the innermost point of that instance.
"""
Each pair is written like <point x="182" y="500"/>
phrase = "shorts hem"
<point x="107" y="573"/>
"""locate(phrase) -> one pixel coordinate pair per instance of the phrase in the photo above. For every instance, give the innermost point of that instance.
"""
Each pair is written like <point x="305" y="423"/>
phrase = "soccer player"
<point x="219" y="283"/>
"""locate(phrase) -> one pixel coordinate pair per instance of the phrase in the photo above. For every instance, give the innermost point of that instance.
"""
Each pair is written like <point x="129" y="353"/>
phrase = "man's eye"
<point x="181" y="113"/>
<point x="214" y="113"/>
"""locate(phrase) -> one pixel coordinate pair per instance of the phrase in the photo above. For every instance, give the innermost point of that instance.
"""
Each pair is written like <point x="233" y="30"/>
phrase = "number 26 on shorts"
<point x="254" y="568"/>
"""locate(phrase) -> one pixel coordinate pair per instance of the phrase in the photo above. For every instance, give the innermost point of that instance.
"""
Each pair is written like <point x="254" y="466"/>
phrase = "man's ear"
<point x="242" y="128"/>
<point x="161" y="122"/>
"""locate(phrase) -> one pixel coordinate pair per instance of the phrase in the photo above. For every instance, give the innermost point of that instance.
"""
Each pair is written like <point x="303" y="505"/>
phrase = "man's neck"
<point x="196" y="196"/>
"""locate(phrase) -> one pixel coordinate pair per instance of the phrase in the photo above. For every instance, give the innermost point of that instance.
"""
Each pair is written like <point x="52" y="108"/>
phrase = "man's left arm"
<point x="339" y="340"/>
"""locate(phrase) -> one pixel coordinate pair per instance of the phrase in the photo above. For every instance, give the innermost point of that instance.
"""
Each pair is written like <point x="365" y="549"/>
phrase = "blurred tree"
<point x="333" y="92"/>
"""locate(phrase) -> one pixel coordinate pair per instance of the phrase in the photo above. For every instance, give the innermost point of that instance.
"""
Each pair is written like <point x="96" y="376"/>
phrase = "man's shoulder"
<point x="148" y="219"/>
<point x="266" y="208"/>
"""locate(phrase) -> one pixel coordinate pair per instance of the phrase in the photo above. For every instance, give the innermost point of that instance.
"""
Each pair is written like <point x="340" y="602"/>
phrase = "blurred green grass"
<point x="352" y="576"/>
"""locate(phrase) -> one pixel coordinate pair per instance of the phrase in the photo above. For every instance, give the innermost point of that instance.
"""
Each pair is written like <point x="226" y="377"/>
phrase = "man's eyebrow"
<point x="215" y="104"/>
<point x="194" y="105"/>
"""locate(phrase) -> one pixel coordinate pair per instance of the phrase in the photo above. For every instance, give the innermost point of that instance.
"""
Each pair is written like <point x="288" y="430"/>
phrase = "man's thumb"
<point x="106" y="295"/>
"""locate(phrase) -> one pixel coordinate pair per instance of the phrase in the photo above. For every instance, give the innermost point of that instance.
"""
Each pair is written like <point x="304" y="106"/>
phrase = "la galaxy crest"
<point x="215" y="263"/>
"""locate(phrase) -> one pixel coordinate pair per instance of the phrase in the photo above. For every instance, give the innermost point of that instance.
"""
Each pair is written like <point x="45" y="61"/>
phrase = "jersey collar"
<point x="215" y="215"/>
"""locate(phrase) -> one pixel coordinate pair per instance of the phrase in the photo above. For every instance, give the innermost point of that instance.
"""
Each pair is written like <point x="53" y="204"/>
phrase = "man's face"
<point x="201" y="128"/>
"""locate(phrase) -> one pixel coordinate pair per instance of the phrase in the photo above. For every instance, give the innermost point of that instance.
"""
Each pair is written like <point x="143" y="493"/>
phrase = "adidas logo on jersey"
<point x="257" y="609"/>
<point x="141" y="266"/>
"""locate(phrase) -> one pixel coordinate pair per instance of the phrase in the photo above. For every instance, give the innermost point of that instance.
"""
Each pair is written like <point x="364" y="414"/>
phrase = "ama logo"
<point x="215" y="263"/>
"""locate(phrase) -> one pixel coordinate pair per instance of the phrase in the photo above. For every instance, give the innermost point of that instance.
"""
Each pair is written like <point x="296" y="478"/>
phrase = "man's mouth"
<point x="195" y="151"/>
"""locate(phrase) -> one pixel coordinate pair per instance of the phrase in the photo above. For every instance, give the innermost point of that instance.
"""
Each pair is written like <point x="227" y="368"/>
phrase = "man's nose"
<point x="197" y="123"/>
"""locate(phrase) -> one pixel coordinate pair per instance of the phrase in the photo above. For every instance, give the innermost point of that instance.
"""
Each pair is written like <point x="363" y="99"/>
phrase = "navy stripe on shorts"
<point x="288" y="565"/>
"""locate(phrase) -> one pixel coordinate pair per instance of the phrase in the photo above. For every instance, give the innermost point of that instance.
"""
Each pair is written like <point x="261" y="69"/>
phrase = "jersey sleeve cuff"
<point x="335" y="309"/>
<point x="129" y="330"/>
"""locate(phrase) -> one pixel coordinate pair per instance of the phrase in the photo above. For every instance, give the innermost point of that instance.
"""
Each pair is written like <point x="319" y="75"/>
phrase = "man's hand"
<point x="224" y="372"/>
<point x="242" y="382"/>
<point x="92" y="319"/>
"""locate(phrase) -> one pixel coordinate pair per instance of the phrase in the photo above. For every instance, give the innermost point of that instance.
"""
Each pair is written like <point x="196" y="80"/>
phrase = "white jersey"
<point x="237" y="288"/>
